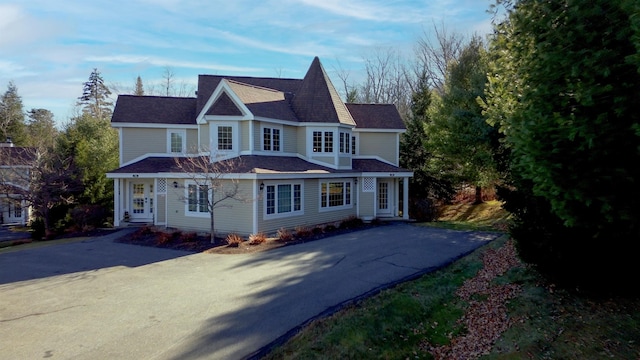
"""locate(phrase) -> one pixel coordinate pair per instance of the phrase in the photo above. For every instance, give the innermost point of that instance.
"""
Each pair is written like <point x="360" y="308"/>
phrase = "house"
<point x="15" y="172"/>
<point x="306" y="157"/>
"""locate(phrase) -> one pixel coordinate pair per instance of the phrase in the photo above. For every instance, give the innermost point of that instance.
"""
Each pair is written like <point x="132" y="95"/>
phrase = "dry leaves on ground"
<point x="485" y="319"/>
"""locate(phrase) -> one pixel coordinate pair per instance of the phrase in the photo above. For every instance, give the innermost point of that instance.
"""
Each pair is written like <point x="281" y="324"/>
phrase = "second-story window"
<point x="225" y="138"/>
<point x="176" y="141"/>
<point x="322" y="141"/>
<point x="344" y="142"/>
<point x="271" y="139"/>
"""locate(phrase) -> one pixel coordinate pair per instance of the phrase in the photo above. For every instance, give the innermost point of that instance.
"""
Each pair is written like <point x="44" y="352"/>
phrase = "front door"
<point x="384" y="198"/>
<point x="141" y="201"/>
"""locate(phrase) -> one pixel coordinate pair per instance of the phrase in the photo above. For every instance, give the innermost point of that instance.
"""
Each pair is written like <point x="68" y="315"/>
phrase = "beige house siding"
<point x="312" y="214"/>
<point x="245" y="135"/>
<point x="236" y="218"/>
<point x="205" y="143"/>
<point x="383" y="145"/>
<point x="161" y="206"/>
<point x="367" y="204"/>
<point x="330" y="160"/>
<point x="138" y="141"/>
<point x="192" y="141"/>
<point x="344" y="161"/>
<point x="290" y="139"/>
<point x="301" y="141"/>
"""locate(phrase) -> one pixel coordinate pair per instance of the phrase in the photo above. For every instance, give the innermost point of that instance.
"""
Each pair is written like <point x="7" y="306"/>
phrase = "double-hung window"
<point x="283" y="199"/>
<point x="335" y="195"/>
<point x="345" y="143"/>
<point x="322" y="141"/>
<point x="197" y="199"/>
<point x="225" y="137"/>
<point x="271" y="138"/>
<point x="176" y="141"/>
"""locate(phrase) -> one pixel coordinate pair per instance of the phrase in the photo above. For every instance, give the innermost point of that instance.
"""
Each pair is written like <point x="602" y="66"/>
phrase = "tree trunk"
<point x="478" y="195"/>
<point x="213" y="229"/>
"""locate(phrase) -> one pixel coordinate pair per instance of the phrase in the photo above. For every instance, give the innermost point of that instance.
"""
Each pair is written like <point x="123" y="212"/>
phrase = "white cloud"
<point x="387" y="12"/>
<point x="163" y="62"/>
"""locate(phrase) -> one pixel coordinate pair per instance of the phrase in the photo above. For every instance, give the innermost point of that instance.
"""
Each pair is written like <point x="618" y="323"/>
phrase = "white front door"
<point x="384" y="198"/>
<point x="141" y="201"/>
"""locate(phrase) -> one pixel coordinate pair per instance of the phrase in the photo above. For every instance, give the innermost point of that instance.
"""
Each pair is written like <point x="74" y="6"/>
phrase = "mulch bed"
<point x="176" y="240"/>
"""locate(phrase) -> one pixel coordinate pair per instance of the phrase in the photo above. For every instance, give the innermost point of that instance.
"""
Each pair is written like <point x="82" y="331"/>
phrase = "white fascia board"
<point x="277" y="121"/>
<point x="142" y="157"/>
<point x="399" y="131"/>
<point x="223" y="86"/>
<point x="154" y="126"/>
<point x="398" y="174"/>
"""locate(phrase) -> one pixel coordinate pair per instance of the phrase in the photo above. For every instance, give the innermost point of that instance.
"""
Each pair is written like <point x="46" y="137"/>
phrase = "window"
<point x="270" y="139"/>
<point x="225" y="138"/>
<point x="345" y="142"/>
<point x="197" y="199"/>
<point x="283" y="199"/>
<point x="335" y="194"/>
<point x="353" y="145"/>
<point x="323" y="141"/>
<point x="176" y="141"/>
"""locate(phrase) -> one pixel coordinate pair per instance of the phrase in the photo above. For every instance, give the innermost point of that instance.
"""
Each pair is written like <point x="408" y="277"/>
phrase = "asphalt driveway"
<point x="97" y="299"/>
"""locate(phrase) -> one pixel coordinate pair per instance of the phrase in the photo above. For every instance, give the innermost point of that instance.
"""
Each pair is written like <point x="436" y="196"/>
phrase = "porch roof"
<point x="258" y="164"/>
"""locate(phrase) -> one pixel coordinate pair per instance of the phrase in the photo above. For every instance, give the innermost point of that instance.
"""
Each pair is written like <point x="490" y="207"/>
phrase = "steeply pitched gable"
<point x="224" y="106"/>
<point x="317" y="100"/>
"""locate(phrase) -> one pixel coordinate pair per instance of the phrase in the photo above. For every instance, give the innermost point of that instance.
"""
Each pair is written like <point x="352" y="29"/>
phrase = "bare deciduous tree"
<point x="210" y="185"/>
<point x="435" y="53"/>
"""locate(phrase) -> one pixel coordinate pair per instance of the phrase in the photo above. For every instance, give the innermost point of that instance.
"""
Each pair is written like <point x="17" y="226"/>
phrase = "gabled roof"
<point x="376" y="116"/>
<point x="154" y="110"/>
<point x="317" y="100"/>
<point x="264" y="102"/>
<point x="224" y="106"/>
<point x="208" y="83"/>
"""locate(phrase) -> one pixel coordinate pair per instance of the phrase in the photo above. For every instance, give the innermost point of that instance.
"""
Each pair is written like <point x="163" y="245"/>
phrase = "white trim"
<point x="291" y="213"/>
<point x="271" y="127"/>
<point x="254" y="214"/>
<point x="399" y="131"/>
<point x="344" y="206"/>
<point x="120" y="147"/>
<point x="198" y="214"/>
<point x="235" y="139"/>
<point x="183" y="134"/>
<point x="223" y="86"/>
<point x="154" y="125"/>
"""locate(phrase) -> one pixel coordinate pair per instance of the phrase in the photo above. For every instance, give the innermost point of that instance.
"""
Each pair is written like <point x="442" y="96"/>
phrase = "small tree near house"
<point x="211" y="186"/>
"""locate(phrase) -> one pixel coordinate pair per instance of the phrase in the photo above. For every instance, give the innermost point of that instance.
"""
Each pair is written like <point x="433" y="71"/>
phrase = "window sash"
<point x="225" y="138"/>
<point x="335" y="194"/>
<point x="176" y="142"/>
<point x="198" y="198"/>
<point x="283" y="199"/>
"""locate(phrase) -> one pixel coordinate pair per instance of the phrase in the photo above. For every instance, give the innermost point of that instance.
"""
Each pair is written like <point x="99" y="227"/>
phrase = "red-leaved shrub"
<point x="257" y="239"/>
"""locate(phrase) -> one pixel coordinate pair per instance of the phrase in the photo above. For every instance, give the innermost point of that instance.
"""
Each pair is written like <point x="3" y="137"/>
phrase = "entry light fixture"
<point x="261" y="186"/>
<point x="175" y="184"/>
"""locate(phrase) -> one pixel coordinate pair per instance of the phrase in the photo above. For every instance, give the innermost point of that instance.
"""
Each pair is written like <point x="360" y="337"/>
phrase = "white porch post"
<point x="116" y="202"/>
<point x="405" y="199"/>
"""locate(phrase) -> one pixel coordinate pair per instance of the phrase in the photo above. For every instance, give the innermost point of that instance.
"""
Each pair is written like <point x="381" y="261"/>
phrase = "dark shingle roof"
<point x="376" y="116"/>
<point x="224" y="106"/>
<point x="255" y="164"/>
<point x="154" y="110"/>
<point x="208" y="83"/>
<point x="317" y="100"/>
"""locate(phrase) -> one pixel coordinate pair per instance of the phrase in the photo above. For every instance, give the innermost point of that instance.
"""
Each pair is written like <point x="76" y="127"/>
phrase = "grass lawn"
<point x="437" y="317"/>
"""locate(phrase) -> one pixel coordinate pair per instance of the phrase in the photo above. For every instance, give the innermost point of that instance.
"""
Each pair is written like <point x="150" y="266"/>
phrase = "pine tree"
<point x="12" y="124"/>
<point x="95" y="97"/>
<point x="139" y="87"/>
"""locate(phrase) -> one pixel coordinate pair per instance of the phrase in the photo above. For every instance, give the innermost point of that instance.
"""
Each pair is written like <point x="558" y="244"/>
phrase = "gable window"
<point x="225" y="138"/>
<point x="176" y="141"/>
<point x="335" y="194"/>
<point x="197" y="199"/>
<point x="271" y="139"/>
<point x="283" y="199"/>
<point x="323" y="141"/>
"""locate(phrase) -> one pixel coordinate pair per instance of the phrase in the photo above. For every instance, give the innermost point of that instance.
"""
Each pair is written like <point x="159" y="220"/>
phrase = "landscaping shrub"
<point x="257" y="239"/>
<point x="351" y="222"/>
<point x="317" y="230"/>
<point x="303" y="232"/>
<point x="164" y="238"/>
<point x="37" y="229"/>
<point x="330" y="228"/>
<point x="285" y="235"/>
<point x="233" y="240"/>
<point x="188" y="237"/>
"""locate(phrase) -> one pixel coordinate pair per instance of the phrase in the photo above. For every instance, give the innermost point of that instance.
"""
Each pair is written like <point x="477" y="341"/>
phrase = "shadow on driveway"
<point x="288" y="287"/>
<point x="91" y="254"/>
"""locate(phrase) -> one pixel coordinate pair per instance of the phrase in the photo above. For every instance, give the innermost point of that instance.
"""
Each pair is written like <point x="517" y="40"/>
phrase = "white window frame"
<point x="197" y="213"/>
<point x="344" y="143"/>
<point x="183" y="134"/>
<point x="323" y="141"/>
<point x="235" y="137"/>
<point x="347" y="201"/>
<point x="271" y="145"/>
<point x="275" y="185"/>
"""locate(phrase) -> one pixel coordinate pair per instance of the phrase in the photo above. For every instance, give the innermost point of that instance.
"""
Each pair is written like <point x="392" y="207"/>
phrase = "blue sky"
<point x="49" y="48"/>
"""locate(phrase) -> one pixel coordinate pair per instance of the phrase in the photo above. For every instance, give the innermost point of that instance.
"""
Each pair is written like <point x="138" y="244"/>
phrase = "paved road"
<point x="98" y="299"/>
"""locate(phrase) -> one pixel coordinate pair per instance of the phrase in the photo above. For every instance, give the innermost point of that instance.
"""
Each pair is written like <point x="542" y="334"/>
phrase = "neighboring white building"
<point x="15" y="167"/>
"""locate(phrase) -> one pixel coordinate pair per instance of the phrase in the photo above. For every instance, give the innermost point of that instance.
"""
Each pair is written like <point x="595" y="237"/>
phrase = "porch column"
<point x="116" y="202"/>
<point x="405" y="198"/>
